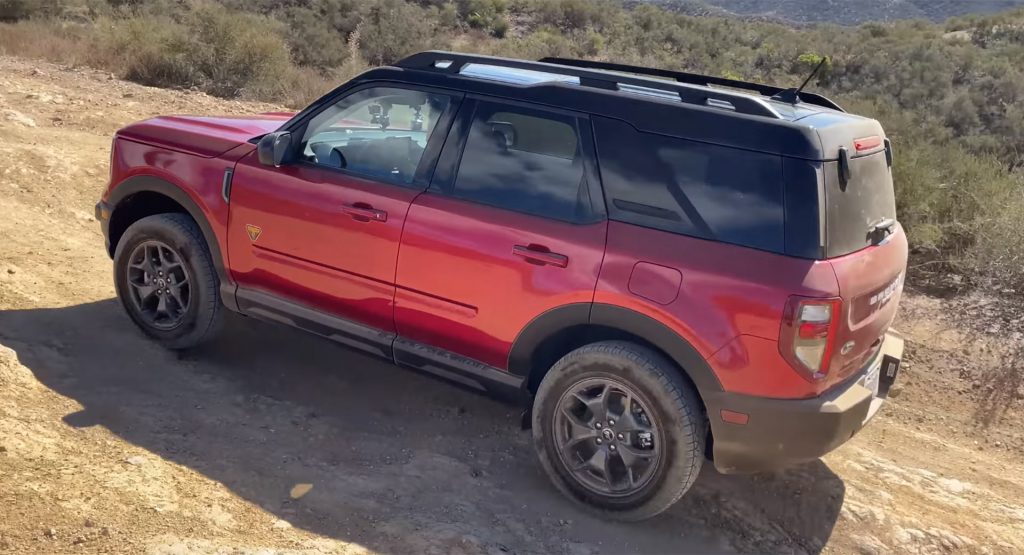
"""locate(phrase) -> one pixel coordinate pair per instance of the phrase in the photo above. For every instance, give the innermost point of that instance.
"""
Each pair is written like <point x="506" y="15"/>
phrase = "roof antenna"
<point x="792" y="96"/>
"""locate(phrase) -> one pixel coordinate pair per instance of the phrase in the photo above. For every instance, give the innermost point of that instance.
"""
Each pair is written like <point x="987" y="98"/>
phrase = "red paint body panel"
<point x="310" y="249"/>
<point x="202" y="136"/>
<point x="461" y="288"/>
<point x="862" y="275"/>
<point x="200" y="178"/>
<point x="727" y="292"/>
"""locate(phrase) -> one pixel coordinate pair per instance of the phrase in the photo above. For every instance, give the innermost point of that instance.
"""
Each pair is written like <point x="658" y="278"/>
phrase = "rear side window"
<point x="691" y="188"/>
<point x="524" y="160"/>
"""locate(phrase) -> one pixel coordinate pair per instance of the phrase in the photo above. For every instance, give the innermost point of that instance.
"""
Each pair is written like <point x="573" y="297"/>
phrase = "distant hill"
<point x="843" y="12"/>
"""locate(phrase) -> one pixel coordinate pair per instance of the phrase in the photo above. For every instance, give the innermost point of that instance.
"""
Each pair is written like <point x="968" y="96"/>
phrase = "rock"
<point x="41" y="97"/>
<point x="136" y="460"/>
<point x="19" y="118"/>
<point x="895" y="391"/>
<point x="300" y="490"/>
<point x="870" y="545"/>
<point x="908" y="535"/>
<point x="282" y="524"/>
<point x="50" y="533"/>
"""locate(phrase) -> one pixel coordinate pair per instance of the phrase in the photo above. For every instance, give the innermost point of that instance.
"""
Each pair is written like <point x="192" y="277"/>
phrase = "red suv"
<point x="666" y="267"/>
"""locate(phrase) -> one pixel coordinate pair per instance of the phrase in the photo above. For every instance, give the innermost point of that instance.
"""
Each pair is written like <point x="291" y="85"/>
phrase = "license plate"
<point x="872" y="379"/>
<point x="890" y="368"/>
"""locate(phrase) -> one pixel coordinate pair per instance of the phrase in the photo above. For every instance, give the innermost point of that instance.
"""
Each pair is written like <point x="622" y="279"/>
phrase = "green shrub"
<point x="218" y="51"/>
<point x="393" y="29"/>
<point x="15" y="10"/>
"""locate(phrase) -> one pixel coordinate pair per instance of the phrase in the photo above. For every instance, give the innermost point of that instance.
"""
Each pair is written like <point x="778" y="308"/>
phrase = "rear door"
<point x="323" y="231"/>
<point x="510" y="228"/>
<point x="865" y="245"/>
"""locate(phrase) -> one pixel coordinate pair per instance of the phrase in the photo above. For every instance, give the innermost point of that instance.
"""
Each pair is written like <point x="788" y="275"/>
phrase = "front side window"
<point x="524" y="160"/>
<point x="379" y="132"/>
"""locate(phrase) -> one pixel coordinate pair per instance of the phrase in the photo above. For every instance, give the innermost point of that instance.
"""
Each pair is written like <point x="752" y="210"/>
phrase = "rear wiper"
<point x="881" y="229"/>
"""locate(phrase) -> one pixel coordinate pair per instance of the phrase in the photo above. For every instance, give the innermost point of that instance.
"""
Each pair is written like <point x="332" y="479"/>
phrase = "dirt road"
<point x="111" y="444"/>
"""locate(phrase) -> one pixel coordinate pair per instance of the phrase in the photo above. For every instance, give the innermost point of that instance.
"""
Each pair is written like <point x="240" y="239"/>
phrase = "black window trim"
<point x="450" y="159"/>
<point x="431" y="153"/>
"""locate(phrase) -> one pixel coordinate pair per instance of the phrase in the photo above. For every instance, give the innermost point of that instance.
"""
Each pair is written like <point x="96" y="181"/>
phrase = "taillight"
<point x="865" y="144"/>
<point x="808" y="335"/>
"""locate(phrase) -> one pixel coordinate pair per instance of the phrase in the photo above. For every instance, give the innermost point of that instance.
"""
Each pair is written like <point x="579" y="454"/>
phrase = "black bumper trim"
<point x="781" y="433"/>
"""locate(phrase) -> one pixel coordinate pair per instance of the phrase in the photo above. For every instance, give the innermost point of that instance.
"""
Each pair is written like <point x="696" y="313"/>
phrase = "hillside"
<point x="843" y="12"/>
<point x="111" y="444"/>
<point x="950" y="95"/>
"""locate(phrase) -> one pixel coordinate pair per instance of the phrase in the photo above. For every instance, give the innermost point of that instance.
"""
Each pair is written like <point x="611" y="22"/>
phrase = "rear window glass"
<point x="855" y="206"/>
<point x="523" y="160"/>
<point x="691" y="188"/>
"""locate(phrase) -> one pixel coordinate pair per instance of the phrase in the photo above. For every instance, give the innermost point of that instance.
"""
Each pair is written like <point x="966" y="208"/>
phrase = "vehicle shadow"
<point x="400" y="462"/>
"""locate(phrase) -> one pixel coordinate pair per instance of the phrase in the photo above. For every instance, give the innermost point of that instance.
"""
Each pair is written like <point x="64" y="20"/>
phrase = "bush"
<point x="393" y="29"/>
<point x="220" y="52"/>
<point x="15" y="10"/>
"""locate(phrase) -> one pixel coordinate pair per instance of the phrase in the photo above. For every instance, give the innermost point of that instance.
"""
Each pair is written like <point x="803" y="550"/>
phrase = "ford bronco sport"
<point x="665" y="267"/>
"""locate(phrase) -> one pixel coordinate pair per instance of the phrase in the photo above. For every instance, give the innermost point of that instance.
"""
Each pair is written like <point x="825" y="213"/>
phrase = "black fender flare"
<point x="149" y="183"/>
<point x="615" y="317"/>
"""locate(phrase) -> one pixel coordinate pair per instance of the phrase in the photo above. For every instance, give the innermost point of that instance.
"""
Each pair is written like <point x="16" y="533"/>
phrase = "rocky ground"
<point x="271" y="441"/>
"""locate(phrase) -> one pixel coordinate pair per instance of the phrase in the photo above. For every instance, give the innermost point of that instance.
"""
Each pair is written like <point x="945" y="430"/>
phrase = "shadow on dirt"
<point x="400" y="462"/>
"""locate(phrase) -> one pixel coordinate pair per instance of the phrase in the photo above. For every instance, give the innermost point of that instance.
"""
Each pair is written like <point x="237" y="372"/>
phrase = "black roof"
<point x="702" y="108"/>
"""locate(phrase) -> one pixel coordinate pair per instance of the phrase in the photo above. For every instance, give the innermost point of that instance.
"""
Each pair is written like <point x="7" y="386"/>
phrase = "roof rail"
<point x="453" y="63"/>
<point x="693" y="79"/>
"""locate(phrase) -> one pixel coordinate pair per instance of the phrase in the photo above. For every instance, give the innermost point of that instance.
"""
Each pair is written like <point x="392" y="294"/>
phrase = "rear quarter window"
<point x="691" y="188"/>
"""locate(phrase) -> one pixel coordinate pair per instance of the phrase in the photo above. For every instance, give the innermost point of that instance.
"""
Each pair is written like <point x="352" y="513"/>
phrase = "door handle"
<point x="540" y="255"/>
<point x="362" y="212"/>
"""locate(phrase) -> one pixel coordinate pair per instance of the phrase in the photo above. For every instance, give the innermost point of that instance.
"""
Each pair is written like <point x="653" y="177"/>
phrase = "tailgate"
<point x="870" y="284"/>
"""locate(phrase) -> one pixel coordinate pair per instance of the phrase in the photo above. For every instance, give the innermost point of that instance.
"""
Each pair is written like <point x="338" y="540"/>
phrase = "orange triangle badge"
<point x="253" y="231"/>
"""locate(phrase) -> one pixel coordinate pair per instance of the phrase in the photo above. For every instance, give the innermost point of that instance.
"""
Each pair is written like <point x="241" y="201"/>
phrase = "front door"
<point x="323" y="229"/>
<point x="508" y="230"/>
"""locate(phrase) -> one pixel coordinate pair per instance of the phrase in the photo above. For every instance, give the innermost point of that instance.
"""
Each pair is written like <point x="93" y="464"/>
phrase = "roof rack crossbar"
<point x="692" y="79"/>
<point x="453" y="63"/>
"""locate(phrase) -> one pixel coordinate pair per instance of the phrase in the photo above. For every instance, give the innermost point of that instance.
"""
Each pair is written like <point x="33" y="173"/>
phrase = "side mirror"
<point x="273" y="148"/>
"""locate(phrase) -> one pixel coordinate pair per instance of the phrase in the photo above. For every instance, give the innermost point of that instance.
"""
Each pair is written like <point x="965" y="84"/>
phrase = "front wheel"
<point x="619" y="430"/>
<point x="166" y="281"/>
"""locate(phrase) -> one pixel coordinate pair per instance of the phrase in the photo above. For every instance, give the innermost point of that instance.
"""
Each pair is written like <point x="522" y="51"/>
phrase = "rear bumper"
<point x="781" y="433"/>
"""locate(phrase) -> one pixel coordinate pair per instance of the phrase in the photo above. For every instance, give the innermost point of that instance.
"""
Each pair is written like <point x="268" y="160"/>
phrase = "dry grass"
<point x="54" y="41"/>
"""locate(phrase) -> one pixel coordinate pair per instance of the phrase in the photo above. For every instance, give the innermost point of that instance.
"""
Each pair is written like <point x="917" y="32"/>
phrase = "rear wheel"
<point x="166" y="281"/>
<point x="619" y="430"/>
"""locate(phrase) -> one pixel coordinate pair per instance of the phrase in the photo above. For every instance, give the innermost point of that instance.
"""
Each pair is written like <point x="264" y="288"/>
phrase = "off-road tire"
<point x="203" y="317"/>
<point x="676" y="406"/>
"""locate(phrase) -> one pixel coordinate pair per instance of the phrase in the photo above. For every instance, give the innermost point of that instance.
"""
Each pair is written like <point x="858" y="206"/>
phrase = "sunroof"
<point x="515" y="75"/>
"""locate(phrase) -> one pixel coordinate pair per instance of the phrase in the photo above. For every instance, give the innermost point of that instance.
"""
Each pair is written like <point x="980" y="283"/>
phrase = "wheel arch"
<point x="141" y="196"/>
<point x="558" y="331"/>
